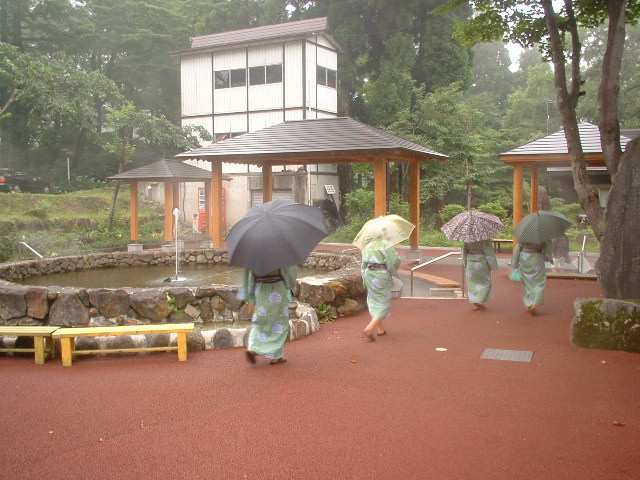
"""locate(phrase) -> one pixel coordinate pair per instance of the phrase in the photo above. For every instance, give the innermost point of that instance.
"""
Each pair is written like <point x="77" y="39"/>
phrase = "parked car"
<point x="15" y="181"/>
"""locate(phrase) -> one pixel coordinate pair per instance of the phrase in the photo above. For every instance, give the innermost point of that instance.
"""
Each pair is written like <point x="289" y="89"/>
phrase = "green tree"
<point x="557" y="32"/>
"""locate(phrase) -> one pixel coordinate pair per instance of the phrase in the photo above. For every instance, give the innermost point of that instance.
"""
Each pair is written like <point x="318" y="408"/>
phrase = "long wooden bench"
<point x="67" y="338"/>
<point x="42" y="341"/>
<point x="497" y="243"/>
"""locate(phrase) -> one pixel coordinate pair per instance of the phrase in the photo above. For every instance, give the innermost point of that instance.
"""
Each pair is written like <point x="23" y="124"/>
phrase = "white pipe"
<point x="36" y="253"/>
<point x="176" y="215"/>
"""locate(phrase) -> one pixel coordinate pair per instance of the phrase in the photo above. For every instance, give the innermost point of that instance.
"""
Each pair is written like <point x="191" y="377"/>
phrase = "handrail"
<point x="30" y="248"/>
<point x="435" y="260"/>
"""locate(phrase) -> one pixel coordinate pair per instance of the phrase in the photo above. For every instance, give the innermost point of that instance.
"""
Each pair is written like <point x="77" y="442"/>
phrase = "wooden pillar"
<point x="176" y="195"/>
<point x="517" y="194"/>
<point x="168" y="211"/>
<point x="533" y="201"/>
<point x="215" y="205"/>
<point x="414" y="201"/>
<point x="380" y="183"/>
<point x="267" y="182"/>
<point x="207" y="203"/>
<point x="133" y="211"/>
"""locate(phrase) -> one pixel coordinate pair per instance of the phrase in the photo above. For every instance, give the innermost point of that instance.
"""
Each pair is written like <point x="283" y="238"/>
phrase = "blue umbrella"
<point x="275" y="235"/>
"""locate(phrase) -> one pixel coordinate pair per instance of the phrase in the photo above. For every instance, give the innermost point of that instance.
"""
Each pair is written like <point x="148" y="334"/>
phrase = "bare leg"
<point x="380" y="330"/>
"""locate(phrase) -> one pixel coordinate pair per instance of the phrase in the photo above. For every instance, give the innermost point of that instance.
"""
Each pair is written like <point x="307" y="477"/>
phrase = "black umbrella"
<point x="274" y="235"/>
<point x="541" y="226"/>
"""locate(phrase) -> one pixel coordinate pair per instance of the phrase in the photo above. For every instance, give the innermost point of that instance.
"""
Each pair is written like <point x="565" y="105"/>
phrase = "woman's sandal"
<point x="251" y="356"/>
<point x="276" y="361"/>
<point x="381" y="334"/>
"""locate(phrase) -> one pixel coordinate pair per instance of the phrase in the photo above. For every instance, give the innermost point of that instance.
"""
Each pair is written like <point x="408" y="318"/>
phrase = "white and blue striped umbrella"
<point x="472" y="226"/>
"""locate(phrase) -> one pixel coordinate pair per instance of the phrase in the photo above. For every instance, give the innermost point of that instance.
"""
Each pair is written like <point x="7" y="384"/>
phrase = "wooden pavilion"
<point x="304" y="142"/>
<point x="171" y="173"/>
<point x="550" y="151"/>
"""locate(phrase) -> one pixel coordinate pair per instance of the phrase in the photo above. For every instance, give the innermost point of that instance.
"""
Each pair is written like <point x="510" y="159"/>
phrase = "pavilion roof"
<point x="163" y="171"/>
<point x="552" y="149"/>
<point x="327" y="140"/>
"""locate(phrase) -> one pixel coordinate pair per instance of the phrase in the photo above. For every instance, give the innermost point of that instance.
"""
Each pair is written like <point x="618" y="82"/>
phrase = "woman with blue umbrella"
<point x="534" y="234"/>
<point x="269" y="242"/>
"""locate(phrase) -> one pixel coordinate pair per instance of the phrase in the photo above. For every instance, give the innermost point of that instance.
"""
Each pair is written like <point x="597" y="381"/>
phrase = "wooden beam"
<point x="517" y="194"/>
<point x="551" y="159"/>
<point x="133" y="188"/>
<point x="533" y="200"/>
<point x="216" y="218"/>
<point x="267" y="182"/>
<point x="414" y="201"/>
<point x="168" y="211"/>
<point x="380" y="181"/>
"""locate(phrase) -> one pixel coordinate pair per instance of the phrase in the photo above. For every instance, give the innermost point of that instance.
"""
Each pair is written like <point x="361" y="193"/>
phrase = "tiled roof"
<point x="164" y="170"/>
<point x="556" y="143"/>
<point x="341" y="134"/>
<point x="260" y="34"/>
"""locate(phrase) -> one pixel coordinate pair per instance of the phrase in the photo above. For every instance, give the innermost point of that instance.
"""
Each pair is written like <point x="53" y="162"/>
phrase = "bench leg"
<point x="51" y="347"/>
<point x="67" y="351"/>
<point x="182" y="346"/>
<point x="38" y="346"/>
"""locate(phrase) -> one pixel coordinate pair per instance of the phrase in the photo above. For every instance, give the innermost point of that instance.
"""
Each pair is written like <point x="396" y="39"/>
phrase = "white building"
<point x="244" y="80"/>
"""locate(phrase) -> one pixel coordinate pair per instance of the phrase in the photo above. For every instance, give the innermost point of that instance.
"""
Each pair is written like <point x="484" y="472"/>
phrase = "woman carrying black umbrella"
<point x="271" y="294"/>
<point x="269" y="241"/>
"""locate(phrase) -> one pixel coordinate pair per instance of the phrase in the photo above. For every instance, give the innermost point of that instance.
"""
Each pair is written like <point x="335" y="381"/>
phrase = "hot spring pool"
<point x="147" y="276"/>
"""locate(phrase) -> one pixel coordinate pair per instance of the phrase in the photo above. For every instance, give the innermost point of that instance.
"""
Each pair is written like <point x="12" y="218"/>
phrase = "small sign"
<point x="330" y="189"/>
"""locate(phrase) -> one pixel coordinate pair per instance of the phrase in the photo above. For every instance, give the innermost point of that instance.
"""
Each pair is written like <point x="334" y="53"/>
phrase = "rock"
<point x="222" y="338"/>
<point x="607" y="324"/>
<point x="28" y="321"/>
<point x="179" y="317"/>
<point x="206" y="312"/>
<point x="158" y="340"/>
<point x="316" y="291"/>
<point x="68" y="311"/>
<point x="206" y="292"/>
<point x="217" y="304"/>
<point x="121" y="341"/>
<point x="230" y="297"/>
<point x="109" y="302"/>
<point x="151" y="304"/>
<point x="182" y="295"/>
<point x="300" y="329"/>
<point x="192" y="311"/>
<point x="12" y="302"/>
<point x="37" y="303"/>
<point x="201" y="259"/>
<point x="100" y="321"/>
<point x="84" y="297"/>
<point x="350" y="307"/>
<point x="246" y="312"/>
<point x="195" y="341"/>
<point x="245" y="338"/>
<point x="87" y="343"/>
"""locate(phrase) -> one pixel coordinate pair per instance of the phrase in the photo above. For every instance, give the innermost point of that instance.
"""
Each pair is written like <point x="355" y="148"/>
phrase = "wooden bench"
<point x="497" y="243"/>
<point x="67" y="338"/>
<point x="42" y="340"/>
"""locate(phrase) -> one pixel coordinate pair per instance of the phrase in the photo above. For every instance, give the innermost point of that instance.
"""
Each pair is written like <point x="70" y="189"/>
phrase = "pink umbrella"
<point x="472" y="226"/>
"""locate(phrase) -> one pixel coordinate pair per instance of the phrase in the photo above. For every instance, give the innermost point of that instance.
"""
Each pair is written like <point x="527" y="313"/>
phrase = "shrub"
<point x="495" y="208"/>
<point x="326" y="313"/>
<point x="450" y="211"/>
<point x="569" y="210"/>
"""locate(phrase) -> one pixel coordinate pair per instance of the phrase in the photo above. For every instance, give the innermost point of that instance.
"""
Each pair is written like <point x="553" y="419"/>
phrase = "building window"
<point x="238" y="77"/>
<point x="219" y="137"/>
<point x="230" y="78"/>
<point x="256" y="76"/>
<point x="265" y="74"/>
<point x="274" y="73"/>
<point x="326" y="76"/>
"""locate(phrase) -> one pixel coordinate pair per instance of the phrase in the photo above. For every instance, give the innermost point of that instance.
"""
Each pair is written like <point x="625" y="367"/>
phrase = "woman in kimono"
<point x="379" y="263"/>
<point x="271" y="295"/>
<point x="528" y="259"/>
<point x="479" y="259"/>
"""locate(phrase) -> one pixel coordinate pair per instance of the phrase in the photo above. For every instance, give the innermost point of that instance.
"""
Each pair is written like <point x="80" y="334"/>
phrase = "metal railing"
<point x="25" y="244"/>
<point x="435" y="260"/>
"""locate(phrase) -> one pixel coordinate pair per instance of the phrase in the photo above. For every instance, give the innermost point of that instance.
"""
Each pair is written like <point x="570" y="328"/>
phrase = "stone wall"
<point x="606" y="323"/>
<point x="341" y="287"/>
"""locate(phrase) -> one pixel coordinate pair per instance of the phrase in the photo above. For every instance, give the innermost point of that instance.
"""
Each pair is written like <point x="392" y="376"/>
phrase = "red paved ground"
<point x="341" y="409"/>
